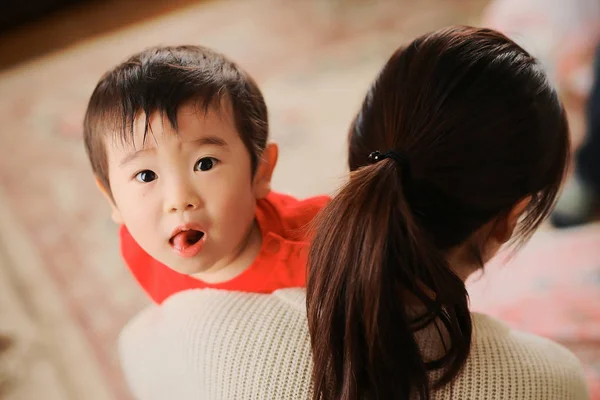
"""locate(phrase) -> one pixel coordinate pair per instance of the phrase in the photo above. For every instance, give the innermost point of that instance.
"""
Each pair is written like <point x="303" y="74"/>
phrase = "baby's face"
<point x="187" y="196"/>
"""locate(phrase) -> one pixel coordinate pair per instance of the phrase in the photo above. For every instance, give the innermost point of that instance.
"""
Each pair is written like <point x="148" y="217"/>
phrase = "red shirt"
<point x="281" y="262"/>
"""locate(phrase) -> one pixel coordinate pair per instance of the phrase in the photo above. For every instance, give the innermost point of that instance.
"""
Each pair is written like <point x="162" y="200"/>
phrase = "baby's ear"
<point x="115" y="213"/>
<point x="264" y="171"/>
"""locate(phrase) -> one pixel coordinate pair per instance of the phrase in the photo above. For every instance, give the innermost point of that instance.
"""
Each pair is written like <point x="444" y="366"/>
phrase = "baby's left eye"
<point x="205" y="164"/>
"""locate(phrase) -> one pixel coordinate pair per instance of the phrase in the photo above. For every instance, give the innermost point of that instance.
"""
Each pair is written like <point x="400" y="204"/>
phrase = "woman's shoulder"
<point x="212" y="313"/>
<point x="528" y="366"/>
<point x="196" y="300"/>
<point x="208" y="343"/>
<point x="518" y="345"/>
<point x="214" y="303"/>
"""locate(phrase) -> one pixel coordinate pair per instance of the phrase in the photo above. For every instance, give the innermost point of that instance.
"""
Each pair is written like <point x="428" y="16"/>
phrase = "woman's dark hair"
<point x="481" y="129"/>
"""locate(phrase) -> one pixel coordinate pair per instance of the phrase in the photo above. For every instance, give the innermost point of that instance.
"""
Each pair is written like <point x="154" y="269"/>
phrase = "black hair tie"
<point x="400" y="158"/>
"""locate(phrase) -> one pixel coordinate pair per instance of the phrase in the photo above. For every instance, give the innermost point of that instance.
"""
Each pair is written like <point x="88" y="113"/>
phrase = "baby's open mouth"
<point x="186" y="238"/>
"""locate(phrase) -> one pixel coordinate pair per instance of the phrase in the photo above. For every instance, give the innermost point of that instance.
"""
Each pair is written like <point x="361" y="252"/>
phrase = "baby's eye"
<point x="145" y="176"/>
<point x="205" y="164"/>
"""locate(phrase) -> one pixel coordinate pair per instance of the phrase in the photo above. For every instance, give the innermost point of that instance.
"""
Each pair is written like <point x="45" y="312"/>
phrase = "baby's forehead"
<point x="189" y="122"/>
<point x="212" y="126"/>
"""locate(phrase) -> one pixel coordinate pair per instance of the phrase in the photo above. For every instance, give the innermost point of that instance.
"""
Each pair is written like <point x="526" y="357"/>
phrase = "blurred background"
<point x="64" y="291"/>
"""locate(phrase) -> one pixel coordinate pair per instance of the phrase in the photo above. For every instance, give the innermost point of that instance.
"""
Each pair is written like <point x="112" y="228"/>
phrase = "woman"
<point x="460" y="146"/>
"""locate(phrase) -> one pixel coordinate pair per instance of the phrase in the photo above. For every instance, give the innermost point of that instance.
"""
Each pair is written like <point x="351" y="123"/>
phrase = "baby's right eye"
<point x="145" y="176"/>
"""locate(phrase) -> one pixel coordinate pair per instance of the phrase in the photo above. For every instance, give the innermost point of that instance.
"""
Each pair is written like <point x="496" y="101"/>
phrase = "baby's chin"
<point x="214" y="276"/>
<point x="205" y="272"/>
<point x="192" y="268"/>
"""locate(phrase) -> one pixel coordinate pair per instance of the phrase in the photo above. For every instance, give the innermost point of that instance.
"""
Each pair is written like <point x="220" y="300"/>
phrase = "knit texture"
<point x="217" y="345"/>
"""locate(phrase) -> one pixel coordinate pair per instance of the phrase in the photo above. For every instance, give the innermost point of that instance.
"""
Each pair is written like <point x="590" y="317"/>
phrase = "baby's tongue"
<point x="181" y="240"/>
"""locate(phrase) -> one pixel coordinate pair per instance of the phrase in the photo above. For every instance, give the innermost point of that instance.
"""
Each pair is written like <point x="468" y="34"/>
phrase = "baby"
<point x="178" y="141"/>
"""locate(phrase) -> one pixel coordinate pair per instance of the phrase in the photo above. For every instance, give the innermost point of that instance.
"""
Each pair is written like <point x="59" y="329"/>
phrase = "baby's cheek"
<point x="143" y="225"/>
<point x="141" y="233"/>
<point x="238" y="211"/>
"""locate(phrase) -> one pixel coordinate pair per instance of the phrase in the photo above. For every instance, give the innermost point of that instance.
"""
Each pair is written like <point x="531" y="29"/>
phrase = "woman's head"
<point x="480" y="124"/>
<point x="484" y="145"/>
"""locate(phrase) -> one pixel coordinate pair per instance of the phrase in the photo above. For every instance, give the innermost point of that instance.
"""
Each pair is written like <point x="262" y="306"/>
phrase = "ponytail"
<point x="368" y="264"/>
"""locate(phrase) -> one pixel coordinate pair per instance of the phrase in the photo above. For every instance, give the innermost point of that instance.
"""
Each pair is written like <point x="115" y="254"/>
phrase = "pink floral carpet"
<point x="551" y="288"/>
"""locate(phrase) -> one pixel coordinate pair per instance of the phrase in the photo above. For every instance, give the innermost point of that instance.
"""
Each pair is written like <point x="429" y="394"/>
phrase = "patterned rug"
<point x="551" y="288"/>
<point x="314" y="59"/>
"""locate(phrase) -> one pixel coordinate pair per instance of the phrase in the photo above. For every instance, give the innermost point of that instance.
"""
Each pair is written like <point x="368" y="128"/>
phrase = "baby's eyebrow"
<point x="210" y="141"/>
<point x="132" y="156"/>
<point x="203" y="141"/>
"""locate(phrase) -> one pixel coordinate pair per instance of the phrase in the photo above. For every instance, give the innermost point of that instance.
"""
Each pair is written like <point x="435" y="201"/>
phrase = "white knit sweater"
<point x="209" y="344"/>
